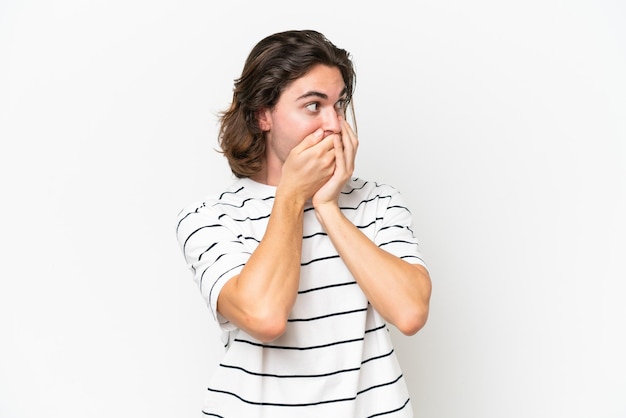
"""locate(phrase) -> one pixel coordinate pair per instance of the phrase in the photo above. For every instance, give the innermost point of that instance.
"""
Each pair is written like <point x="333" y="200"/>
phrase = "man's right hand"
<point x="309" y="165"/>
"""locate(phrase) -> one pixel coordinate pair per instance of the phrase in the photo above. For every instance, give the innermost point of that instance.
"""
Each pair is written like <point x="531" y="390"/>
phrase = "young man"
<point x="302" y="265"/>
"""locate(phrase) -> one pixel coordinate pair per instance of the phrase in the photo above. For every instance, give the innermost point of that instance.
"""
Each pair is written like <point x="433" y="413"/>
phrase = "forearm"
<point x="398" y="290"/>
<point x="260" y="298"/>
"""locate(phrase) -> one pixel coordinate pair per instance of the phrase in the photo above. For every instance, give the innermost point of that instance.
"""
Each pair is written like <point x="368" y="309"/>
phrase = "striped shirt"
<point x="335" y="358"/>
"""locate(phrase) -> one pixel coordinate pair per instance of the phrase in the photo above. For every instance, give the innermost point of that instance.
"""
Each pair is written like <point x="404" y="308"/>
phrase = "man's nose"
<point x="330" y="123"/>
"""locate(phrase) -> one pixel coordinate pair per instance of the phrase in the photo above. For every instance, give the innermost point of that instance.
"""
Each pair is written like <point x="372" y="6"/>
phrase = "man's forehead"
<point x="322" y="88"/>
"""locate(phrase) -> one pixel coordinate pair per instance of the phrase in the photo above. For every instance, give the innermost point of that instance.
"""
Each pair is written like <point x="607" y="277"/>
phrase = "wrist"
<point x="289" y="199"/>
<point x="327" y="212"/>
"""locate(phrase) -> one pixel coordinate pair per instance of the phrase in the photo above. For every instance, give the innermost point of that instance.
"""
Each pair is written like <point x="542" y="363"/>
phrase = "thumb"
<point x="310" y="140"/>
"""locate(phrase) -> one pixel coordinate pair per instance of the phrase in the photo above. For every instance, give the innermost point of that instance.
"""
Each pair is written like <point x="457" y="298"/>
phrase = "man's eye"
<point x="340" y="107"/>
<point x="313" y="107"/>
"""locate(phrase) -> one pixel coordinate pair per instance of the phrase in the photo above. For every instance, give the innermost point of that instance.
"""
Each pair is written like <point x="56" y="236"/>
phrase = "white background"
<point x="502" y="123"/>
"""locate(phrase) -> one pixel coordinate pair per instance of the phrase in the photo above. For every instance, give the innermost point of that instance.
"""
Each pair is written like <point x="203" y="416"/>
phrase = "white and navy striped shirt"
<point x="335" y="358"/>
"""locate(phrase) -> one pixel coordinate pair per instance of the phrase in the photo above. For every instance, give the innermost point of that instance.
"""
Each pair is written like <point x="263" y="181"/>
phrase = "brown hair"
<point x="274" y="63"/>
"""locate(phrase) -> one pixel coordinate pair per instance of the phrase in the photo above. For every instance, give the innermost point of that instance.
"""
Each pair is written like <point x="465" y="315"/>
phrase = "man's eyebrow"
<point x="321" y="95"/>
<point x="312" y="94"/>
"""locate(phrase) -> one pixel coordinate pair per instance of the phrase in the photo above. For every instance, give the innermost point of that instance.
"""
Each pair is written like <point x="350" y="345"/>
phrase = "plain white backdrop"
<point x="502" y="123"/>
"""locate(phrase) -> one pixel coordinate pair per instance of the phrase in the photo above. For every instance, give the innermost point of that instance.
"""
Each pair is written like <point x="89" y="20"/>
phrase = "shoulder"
<point x="371" y="197"/>
<point x="209" y="205"/>
<point x="359" y="188"/>
<point x="243" y="197"/>
<point x="235" y="194"/>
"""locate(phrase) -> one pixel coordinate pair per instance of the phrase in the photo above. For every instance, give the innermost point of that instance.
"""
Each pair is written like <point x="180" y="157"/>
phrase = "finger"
<point x="350" y="146"/>
<point x="340" y="155"/>
<point x="349" y="159"/>
<point x="321" y="154"/>
<point x="347" y="130"/>
<point x="310" y="140"/>
<point x="348" y="140"/>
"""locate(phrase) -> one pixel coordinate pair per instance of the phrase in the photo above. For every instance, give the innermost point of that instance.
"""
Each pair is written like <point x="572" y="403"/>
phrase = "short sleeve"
<point x="395" y="234"/>
<point x="213" y="252"/>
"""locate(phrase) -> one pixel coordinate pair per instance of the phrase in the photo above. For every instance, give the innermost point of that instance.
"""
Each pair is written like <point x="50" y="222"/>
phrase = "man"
<point x="302" y="265"/>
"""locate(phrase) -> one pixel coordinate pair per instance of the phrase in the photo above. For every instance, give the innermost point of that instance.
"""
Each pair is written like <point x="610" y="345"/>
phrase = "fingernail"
<point x="318" y="133"/>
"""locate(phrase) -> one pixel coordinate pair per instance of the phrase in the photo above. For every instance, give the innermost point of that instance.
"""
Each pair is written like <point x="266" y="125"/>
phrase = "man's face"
<point x="313" y="101"/>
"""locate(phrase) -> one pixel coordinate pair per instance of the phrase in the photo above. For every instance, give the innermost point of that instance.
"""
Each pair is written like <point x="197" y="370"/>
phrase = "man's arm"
<point x="260" y="298"/>
<point x="398" y="290"/>
<point x="403" y="297"/>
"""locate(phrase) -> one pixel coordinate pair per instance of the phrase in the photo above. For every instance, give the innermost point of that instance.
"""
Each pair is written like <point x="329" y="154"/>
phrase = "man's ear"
<point x="264" y="120"/>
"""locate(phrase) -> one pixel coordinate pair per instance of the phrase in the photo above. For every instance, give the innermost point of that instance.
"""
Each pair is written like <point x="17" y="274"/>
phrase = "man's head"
<point x="272" y="65"/>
